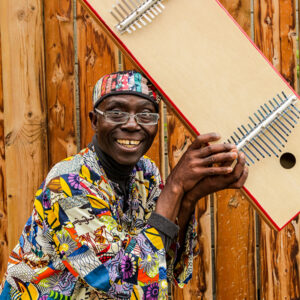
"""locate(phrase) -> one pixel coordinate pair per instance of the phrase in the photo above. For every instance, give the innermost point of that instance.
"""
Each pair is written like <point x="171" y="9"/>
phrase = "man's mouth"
<point x="128" y="143"/>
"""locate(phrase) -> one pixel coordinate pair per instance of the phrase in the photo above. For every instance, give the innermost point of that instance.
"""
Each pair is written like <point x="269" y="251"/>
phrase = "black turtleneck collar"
<point x="114" y="171"/>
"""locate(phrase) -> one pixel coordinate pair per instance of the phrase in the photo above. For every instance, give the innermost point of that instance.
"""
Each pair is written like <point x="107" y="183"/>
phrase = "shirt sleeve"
<point x="166" y="228"/>
<point x="180" y="265"/>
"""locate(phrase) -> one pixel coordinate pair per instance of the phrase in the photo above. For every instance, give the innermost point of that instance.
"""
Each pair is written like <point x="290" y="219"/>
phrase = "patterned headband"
<point x="122" y="83"/>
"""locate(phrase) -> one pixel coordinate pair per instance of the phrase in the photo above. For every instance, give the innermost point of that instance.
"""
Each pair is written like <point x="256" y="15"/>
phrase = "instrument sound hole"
<point x="287" y="160"/>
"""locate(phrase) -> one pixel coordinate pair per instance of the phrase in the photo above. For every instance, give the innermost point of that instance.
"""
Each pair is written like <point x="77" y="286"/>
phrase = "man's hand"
<point x="211" y="184"/>
<point x="200" y="160"/>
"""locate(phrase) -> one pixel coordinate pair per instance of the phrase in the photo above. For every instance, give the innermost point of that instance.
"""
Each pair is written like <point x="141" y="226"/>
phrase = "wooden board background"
<point x="51" y="55"/>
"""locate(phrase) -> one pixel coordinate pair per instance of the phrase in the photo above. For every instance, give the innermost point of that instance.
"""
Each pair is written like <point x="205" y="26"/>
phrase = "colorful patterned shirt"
<point x="79" y="244"/>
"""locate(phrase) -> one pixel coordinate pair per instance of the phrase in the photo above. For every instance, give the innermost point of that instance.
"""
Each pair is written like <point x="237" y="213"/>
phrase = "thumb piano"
<point x="217" y="80"/>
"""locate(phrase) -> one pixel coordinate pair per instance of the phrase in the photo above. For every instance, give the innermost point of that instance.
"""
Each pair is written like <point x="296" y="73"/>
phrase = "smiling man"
<point x="103" y="226"/>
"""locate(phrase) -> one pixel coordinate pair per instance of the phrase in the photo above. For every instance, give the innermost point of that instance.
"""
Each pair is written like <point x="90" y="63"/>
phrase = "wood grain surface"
<point x="26" y="152"/>
<point x="200" y="287"/>
<point x="60" y="80"/>
<point x="234" y="218"/>
<point x="97" y="56"/>
<point x="3" y="199"/>
<point x="275" y="34"/>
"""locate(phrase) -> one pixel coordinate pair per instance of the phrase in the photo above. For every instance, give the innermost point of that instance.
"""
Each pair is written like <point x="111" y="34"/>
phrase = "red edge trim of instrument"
<point x="178" y="110"/>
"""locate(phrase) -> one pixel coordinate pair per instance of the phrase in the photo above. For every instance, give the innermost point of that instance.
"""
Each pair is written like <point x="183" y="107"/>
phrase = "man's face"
<point x="125" y="143"/>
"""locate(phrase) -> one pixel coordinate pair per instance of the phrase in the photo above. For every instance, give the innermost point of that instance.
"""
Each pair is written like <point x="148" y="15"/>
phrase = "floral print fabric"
<point x="79" y="244"/>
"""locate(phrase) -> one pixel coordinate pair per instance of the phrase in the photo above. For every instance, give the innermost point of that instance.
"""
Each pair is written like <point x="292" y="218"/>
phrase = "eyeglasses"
<point x="122" y="117"/>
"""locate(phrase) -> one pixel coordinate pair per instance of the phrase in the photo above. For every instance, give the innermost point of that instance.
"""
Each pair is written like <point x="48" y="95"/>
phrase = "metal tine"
<point x="247" y="157"/>
<point x="150" y="14"/>
<point x="296" y="109"/>
<point x="119" y="13"/>
<point x="277" y="125"/>
<point x="293" y="111"/>
<point x="161" y="5"/>
<point x="233" y="140"/>
<point x="142" y="21"/>
<point x="244" y="152"/>
<point x="132" y="27"/>
<point x="113" y="14"/>
<point x="285" y="96"/>
<point x="127" y="5"/>
<point x="138" y="24"/>
<point x="250" y="142"/>
<point x="267" y="138"/>
<point x="133" y="4"/>
<point x="157" y="8"/>
<point x="275" y="137"/>
<point x="283" y="115"/>
<point x="123" y="9"/>
<point x="282" y="101"/>
<point x="266" y="135"/>
<point x="293" y="126"/>
<point x="154" y="11"/>
<point x="247" y="147"/>
<point x="147" y="18"/>
<point x="259" y="143"/>
<point x="280" y="120"/>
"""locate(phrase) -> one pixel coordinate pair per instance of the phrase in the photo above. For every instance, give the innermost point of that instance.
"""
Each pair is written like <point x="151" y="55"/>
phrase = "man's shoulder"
<point x="72" y="164"/>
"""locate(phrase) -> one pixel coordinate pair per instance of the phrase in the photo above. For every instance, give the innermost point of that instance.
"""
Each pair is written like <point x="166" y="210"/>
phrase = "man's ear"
<point x="93" y="119"/>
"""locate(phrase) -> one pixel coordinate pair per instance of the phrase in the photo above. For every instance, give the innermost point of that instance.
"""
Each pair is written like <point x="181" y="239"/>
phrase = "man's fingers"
<point x="241" y="181"/>
<point x="213" y="171"/>
<point x="238" y="170"/>
<point x="220" y="158"/>
<point x="204" y="139"/>
<point x="215" y="148"/>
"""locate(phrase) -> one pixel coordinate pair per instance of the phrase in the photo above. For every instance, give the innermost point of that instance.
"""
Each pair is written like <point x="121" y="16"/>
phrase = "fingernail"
<point x="229" y="169"/>
<point x="233" y="155"/>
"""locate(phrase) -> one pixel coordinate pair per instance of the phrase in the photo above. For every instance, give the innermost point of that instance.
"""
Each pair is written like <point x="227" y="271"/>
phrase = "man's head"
<point x="125" y="115"/>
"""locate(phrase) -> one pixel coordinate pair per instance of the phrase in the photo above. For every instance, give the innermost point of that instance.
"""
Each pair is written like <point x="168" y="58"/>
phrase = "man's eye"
<point x="116" y="112"/>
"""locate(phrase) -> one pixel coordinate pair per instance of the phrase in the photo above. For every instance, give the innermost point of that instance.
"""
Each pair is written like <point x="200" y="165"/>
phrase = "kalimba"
<point x="217" y="80"/>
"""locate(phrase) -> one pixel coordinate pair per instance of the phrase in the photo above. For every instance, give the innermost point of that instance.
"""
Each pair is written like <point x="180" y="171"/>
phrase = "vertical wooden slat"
<point x="3" y="203"/>
<point x="234" y="217"/>
<point x="200" y="287"/>
<point x="275" y="34"/>
<point x="97" y="56"/>
<point x="59" y="59"/>
<point x="25" y="110"/>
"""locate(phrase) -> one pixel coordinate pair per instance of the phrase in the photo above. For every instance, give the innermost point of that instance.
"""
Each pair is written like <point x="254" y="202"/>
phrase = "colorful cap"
<point x="122" y="83"/>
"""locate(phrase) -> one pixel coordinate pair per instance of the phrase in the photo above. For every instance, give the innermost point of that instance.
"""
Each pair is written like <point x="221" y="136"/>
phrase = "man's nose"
<point x="131" y="123"/>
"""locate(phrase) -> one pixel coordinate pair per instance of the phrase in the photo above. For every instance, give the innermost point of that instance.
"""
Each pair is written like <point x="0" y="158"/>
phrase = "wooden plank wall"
<point x="3" y="202"/>
<point x="60" y="78"/>
<point x="25" y="138"/>
<point x="49" y="64"/>
<point x="275" y="35"/>
<point x="234" y="217"/>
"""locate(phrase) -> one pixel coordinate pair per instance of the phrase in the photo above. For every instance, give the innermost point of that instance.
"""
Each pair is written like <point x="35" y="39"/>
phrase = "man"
<point x="102" y="226"/>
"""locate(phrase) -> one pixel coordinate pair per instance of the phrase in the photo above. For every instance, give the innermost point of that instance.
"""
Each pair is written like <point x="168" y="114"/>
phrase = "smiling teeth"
<point x="128" y="142"/>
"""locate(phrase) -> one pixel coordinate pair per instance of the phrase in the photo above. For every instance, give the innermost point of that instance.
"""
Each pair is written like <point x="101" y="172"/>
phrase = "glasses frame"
<point x="128" y="115"/>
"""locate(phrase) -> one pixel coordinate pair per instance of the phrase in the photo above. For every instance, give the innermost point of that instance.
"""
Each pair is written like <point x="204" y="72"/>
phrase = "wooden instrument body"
<point x="215" y="78"/>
